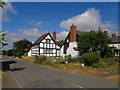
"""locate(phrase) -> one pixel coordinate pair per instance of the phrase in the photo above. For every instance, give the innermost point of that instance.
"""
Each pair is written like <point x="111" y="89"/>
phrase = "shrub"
<point x="47" y="62"/>
<point x="101" y="64"/>
<point x="69" y="59"/>
<point x="90" y="58"/>
<point x="9" y="53"/>
<point x="17" y="53"/>
<point x="4" y="52"/>
<point x="20" y="53"/>
<point x="110" y="61"/>
<point x="40" y="59"/>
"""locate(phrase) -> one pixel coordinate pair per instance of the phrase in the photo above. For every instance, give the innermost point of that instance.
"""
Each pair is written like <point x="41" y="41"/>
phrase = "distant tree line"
<point x="20" y="48"/>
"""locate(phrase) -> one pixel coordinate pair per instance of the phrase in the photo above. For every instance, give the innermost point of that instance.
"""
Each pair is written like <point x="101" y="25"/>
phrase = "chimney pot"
<point x="114" y="35"/>
<point x="106" y="32"/>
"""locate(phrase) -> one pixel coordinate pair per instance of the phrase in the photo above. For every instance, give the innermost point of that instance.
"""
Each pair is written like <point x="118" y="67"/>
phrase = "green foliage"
<point x="48" y="62"/>
<point x="9" y="52"/>
<point x="20" y="53"/>
<point x="106" y="52"/>
<point x="110" y="61"/>
<point x="60" y="43"/>
<point x="22" y="45"/>
<point x="2" y="3"/>
<point x="4" y="52"/>
<point x="3" y="40"/>
<point x="94" y="41"/>
<point x="40" y="59"/>
<point x="69" y="59"/>
<point x="96" y="65"/>
<point x="91" y="58"/>
<point x="17" y="53"/>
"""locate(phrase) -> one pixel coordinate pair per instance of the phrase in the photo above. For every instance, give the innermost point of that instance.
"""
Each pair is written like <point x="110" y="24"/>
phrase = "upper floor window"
<point x="47" y="40"/>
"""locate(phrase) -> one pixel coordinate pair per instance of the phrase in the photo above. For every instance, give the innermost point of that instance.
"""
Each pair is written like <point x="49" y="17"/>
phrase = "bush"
<point x="110" y="61"/>
<point x="4" y="52"/>
<point x="40" y="59"/>
<point x="9" y="53"/>
<point x="69" y="59"/>
<point x="90" y="58"/>
<point x="19" y="54"/>
<point x="47" y="62"/>
<point x="101" y="64"/>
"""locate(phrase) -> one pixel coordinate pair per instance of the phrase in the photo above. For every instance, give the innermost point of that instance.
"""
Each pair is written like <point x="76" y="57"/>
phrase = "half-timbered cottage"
<point x="45" y="45"/>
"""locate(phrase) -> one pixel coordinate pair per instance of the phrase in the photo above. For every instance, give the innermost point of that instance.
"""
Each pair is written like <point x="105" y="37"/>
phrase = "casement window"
<point x="48" y="50"/>
<point x="47" y="41"/>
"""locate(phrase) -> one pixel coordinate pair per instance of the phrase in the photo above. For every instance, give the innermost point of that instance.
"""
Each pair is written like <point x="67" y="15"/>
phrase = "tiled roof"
<point x="40" y="39"/>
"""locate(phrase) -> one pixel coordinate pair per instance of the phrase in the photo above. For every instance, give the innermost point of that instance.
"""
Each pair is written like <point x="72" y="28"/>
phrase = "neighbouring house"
<point x="45" y="45"/>
<point x="115" y="43"/>
<point x="70" y="44"/>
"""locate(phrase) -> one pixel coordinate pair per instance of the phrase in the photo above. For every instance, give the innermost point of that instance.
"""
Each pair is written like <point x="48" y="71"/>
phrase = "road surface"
<point x="29" y="75"/>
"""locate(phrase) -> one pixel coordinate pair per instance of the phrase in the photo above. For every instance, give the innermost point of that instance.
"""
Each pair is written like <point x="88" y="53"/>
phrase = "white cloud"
<point x="36" y="23"/>
<point x="22" y="34"/>
<point x="34" y="33"/>
<point x="62" y="35"/>
<point x="89" y="20"/>
<point x="8" y="8"/>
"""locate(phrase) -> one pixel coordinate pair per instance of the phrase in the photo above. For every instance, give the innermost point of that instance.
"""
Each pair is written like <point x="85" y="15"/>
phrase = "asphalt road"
<point x="28" y="75"/>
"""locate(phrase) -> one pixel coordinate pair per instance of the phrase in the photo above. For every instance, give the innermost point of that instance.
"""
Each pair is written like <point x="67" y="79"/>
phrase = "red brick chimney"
<point x="54" y="35"/>
<point x="106" y="32"/>
<point x="72" y="33"/>
<point x="114" y="35"/>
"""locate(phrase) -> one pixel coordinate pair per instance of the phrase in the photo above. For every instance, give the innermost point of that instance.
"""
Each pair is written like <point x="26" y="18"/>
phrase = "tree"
<point x="9" y="52"/>
<point x="2" y="3"/>
<point x="94" y="41"/>
<point x="60" y="43"/>
<point x="22" y="45"/>
<point x="3" y="41"/>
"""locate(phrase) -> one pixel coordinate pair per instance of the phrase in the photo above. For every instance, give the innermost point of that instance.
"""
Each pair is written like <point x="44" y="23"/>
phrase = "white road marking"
<point x="78" y="86"/>
<point x="16" y="80"/>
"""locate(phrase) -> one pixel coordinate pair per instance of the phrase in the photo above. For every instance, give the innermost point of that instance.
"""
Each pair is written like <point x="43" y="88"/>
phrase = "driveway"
<point x="30" y="75"/>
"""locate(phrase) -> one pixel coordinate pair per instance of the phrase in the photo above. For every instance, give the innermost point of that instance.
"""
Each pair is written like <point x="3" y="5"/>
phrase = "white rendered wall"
<point x="115" y="45"/>
<point x="70" y="50"/>
<point x="29" y="53"/>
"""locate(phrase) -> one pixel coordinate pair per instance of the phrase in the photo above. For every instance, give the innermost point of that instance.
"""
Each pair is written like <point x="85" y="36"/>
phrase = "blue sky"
<point x="35" y="18"/>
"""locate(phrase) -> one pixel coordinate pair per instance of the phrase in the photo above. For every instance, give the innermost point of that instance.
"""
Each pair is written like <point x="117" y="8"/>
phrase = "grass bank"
<point x="1" y="74"/>
<point x="77" y="68"/>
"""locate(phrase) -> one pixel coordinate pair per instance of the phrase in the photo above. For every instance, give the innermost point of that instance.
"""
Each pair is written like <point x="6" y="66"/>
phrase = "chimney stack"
<point x="72" y="33"/>
<point x="114" y="35"/>
<point x="106" y="32"/>
<point x="54" y="35"/>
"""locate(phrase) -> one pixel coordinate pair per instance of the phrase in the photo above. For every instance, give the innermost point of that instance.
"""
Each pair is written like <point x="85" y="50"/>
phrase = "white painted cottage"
<point x="45" y="45"/>
<point x="70" y="43"/>
<point x="115" y="43"/>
